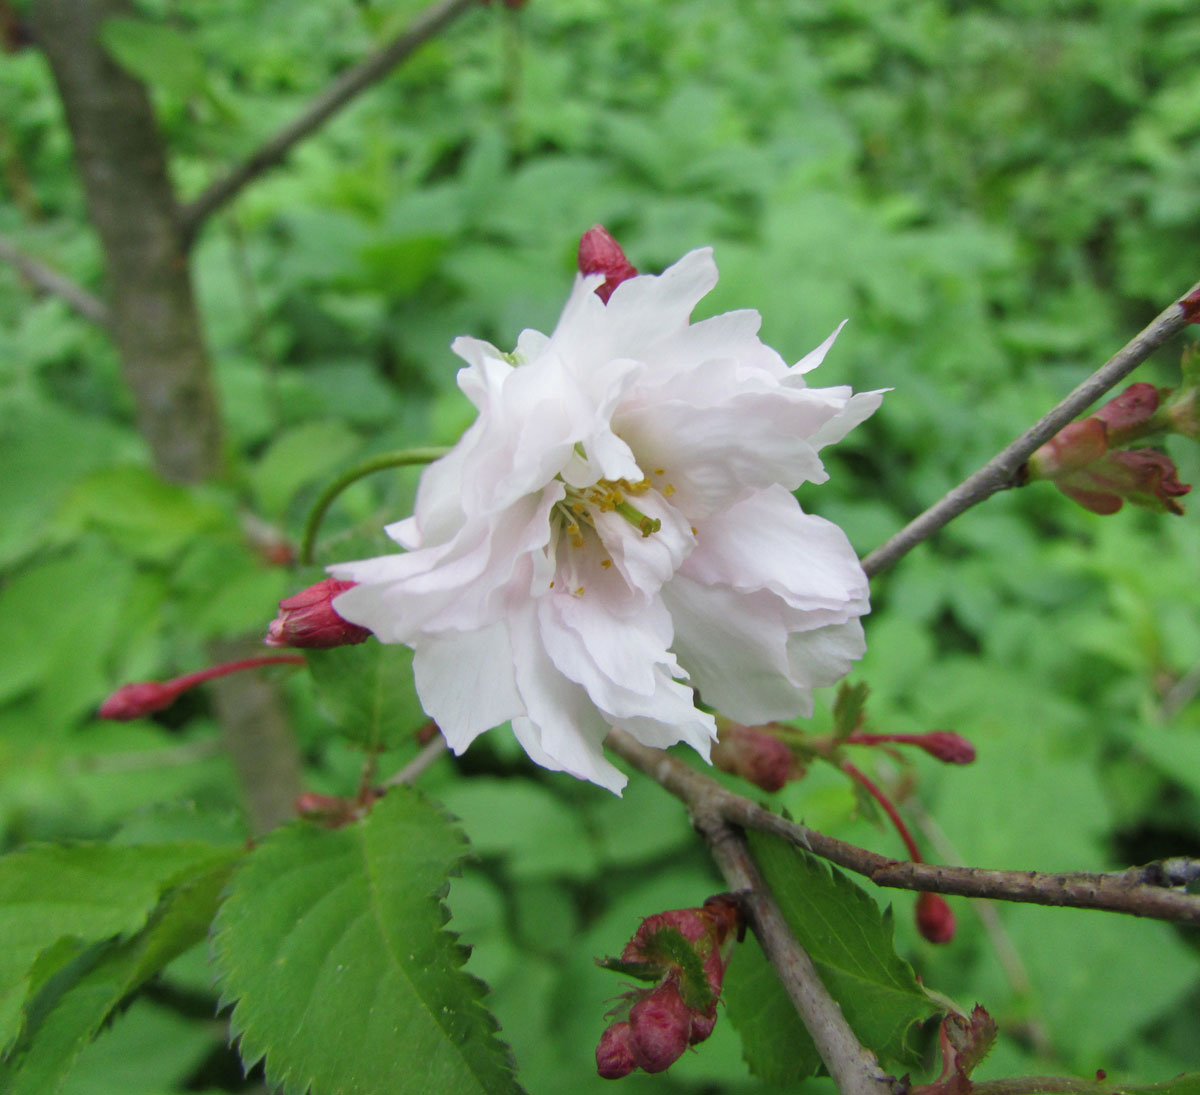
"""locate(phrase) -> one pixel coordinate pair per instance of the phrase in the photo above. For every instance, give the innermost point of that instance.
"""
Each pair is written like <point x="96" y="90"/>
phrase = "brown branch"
<point x="43" y="279"/>
<point x="1140" y="891"/>
<point x="1001" y="472"/>
<point x="854" y="1068"/>
<point x="339" y="93"/>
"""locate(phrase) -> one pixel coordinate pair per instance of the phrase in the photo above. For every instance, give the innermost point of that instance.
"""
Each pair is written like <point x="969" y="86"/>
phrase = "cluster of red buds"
<point x="599" y="253"/>
<point x="1091" y="462"/>
<point x="683" y="952"/>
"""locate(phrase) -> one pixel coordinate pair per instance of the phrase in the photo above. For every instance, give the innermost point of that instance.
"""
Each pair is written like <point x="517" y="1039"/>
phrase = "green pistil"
<point x="646" y="525"/>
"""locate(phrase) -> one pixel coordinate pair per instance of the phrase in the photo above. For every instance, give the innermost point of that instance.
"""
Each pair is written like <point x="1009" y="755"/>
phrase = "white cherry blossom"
<point x="616" y="533"/>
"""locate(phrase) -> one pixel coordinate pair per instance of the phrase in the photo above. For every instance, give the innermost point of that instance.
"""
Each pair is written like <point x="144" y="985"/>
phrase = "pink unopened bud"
<point x="935" y="921"/>
<point x="754" y="754"/>
<point x="137" y="700"/>
<point x="660" y="1027"/>
<point x="307" y="619"/>
<point x="599" y="253"/>
<point x="945" y="745"/>
<point x="614" y="1056"/>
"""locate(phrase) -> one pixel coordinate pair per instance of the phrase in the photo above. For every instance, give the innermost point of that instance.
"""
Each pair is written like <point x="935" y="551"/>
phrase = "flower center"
<point x="605" y="496"/>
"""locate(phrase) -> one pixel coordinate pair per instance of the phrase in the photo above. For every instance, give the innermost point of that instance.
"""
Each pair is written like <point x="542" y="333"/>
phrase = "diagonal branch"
<point x="341" y="92"/>
<point x="1152" y="891"/>
<point x="43" y="279"/>
<point x="854" y="1068"/>
<point x="1001" y="472"/>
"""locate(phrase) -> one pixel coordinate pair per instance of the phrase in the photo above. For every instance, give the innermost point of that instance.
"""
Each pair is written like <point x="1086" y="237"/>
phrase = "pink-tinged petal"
<point x="817" y="659"/>
<point x="734" y="647"/>
<point x="597" y="648"/>
<point x="465" y="682"/>
<point x="767" y="541"/>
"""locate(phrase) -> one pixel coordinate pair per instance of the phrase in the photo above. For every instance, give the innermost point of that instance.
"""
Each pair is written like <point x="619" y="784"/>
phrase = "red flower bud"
<point x="945" y="745"/>
<point x="754" y="754"/>
<point x="660" y="1026"/>
<point x="614" y="1057"/>
<point x="935" y="921"/>
<point x="307" y="619"/>
<point x="136" y="701"/>
<point x="599" y="253"/>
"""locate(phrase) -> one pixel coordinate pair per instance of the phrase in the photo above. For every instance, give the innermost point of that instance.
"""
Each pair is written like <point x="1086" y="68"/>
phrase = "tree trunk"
<point x="132" y="206"/>
<point x="154" y="322"/>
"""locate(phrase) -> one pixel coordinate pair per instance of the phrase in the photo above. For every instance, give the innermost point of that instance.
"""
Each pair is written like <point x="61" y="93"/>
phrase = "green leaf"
<point x="54" y="898"/>
<point x="537" y="832"/>
<point x="368" y="690"/>
<point x="157" y="55"/>
<point x="148" y="517"/>
<point x="850" y="941"/>
<point x="72" y="1007"/>
<point x="331" y="944"/>
<point x="301" y="456"/>
<point x="775" y="1043"/>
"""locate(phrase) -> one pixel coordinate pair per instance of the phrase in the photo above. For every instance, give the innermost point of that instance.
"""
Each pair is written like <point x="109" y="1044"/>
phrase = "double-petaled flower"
<point x="616" y="532"/>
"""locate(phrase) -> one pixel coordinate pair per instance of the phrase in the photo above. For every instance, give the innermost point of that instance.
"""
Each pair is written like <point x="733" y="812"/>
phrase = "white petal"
<point x="767" y="541"/>
<point x="563" y="722"/>
<point x="465" y="682"/>
<point x="734" y="647"/>
<point x="814" y="357"/>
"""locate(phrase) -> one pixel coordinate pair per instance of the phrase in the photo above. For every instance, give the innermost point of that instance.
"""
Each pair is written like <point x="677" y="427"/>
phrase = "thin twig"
<point x="1140" y="891"/>
<point x="1001" y="472"/>
<point x="854" y="1068"/>
<point x="42" y="278"/>
<point x="339" y="93"/>
<point x="413" y="770"/>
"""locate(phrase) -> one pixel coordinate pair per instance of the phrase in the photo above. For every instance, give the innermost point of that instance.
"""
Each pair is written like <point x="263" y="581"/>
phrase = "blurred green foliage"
<point x="998" y="195"/>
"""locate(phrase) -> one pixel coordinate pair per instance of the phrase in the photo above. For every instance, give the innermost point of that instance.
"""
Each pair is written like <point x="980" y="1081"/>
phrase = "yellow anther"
<point x="577" y="592"/>
<point x="606" y="563"/>
<point x="668" y="490"/>
<point x="660" y="471"/>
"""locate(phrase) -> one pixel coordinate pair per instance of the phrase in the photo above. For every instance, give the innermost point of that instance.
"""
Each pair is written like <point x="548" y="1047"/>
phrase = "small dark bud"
<point x="660" y="1028"/>
<point x="754" y="754"/>
<point x="137" y="700"/>
<point x="599" y="253"/>
<point x="935" y="920"/>
<point x="614" y="1057"/>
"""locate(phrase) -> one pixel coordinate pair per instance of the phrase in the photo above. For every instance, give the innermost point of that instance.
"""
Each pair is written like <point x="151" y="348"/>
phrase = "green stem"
<point x="400" y="459"/>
